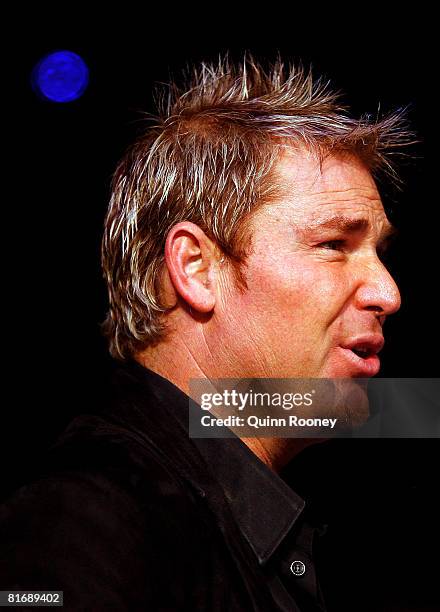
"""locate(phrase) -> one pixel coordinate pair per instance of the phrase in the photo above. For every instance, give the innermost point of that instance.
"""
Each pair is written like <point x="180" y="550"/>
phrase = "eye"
<point x="333" y="245"/>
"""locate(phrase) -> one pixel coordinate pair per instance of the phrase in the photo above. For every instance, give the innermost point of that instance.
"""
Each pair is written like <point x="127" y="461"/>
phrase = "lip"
<point x="363" y="366"/>
<point x="360" y="366"/>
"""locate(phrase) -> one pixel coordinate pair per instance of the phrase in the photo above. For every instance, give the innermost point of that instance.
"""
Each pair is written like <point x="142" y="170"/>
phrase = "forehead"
<point x="341" y="185"/>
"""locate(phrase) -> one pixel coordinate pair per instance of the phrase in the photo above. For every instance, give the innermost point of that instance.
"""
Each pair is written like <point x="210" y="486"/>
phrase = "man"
<point x="243" y="240"/>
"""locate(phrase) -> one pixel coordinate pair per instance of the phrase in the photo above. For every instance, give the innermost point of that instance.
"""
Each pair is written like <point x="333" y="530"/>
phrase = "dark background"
<point x="379" y="496"/>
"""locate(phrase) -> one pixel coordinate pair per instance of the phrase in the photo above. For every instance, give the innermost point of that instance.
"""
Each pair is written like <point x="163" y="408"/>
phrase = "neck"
<point x="177" y="363"/>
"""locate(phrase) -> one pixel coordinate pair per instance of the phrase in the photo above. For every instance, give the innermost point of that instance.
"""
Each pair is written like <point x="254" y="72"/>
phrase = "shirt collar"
<point x="264" y="506"/>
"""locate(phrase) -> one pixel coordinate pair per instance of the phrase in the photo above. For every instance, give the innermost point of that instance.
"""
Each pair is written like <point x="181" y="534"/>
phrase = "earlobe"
<point x="190" y="257"/>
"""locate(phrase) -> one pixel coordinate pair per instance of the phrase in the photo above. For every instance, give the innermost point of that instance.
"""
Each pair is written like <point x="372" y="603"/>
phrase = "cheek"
<point x="325" y="290"/>
<point x="297" y="290"/>
<point x="287" y="311"/>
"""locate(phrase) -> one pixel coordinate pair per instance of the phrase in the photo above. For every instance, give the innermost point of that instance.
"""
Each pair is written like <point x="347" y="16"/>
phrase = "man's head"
<point x="316" y="285"/>
<point x="246" y="226"/>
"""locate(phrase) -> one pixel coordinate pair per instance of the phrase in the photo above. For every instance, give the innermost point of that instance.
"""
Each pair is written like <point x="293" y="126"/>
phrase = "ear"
<point x="192" y="258"/>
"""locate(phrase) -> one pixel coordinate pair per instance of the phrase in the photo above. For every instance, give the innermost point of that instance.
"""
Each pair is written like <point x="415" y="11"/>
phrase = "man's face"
<point x="318" y="293"/>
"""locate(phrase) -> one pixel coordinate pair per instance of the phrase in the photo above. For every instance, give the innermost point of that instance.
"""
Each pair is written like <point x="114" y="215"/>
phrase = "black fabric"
<point x="128" y="513"/>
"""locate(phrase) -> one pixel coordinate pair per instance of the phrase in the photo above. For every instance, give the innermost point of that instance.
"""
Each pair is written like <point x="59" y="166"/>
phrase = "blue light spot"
<point x="61" y="76"/>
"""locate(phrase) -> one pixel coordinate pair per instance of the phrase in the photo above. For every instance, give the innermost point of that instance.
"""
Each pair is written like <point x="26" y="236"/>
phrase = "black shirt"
<point x="128" y="511"/>
<point x="269" y="514"/>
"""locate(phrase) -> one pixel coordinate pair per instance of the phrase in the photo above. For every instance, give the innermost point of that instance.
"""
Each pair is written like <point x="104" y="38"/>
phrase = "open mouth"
<point x="361" y="362"/>
<point x="361" y="354"/>
<point x="364" y="353"/>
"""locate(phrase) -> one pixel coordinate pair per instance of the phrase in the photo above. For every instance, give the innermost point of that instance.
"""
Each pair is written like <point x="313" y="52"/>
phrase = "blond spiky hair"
<point x="209" y="157"/>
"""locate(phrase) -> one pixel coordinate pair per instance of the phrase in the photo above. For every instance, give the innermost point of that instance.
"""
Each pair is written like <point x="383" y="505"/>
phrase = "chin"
<point x="343" y="395"/>
<point x="351" y="403"/>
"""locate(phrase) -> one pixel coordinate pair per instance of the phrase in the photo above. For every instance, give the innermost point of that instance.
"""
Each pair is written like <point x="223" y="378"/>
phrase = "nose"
<point x="377" y="290"/>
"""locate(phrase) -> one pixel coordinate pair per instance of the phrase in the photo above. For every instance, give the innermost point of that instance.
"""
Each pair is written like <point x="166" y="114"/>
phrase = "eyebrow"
<point x="348" y="225"/>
